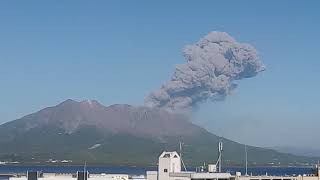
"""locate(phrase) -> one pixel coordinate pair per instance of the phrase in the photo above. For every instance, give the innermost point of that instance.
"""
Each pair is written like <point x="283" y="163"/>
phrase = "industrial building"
<point x="169" y="168"/>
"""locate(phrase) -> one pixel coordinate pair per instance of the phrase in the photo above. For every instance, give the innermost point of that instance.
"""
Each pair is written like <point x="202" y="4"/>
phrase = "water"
<point x="142" y="170"/>
<point x="74" y="169"/>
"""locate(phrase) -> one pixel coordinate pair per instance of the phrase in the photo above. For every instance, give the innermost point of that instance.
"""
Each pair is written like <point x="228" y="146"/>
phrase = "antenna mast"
<point x="85" y="175"/>
<point x="180" y="146"/>
<point x="246" y="151"/>
<point x="220" y="148"/>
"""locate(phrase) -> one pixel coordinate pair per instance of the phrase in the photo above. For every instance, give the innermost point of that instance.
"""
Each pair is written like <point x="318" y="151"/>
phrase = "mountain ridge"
<point x="124" y="134"/>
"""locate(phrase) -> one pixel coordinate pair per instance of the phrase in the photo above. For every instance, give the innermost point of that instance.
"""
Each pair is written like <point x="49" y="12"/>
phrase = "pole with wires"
<point x="246" y="151"/>
<point x="180" y="147"/>
<point x="220" y="148"/>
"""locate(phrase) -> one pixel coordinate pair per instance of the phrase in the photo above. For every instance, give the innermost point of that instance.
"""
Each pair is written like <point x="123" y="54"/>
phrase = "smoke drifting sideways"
<point x="213" y="64"/>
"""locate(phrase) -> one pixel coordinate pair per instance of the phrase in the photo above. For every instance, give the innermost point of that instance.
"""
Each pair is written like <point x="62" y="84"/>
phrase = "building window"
<point x="165" y="170"/>
<point x="167" y="155"/>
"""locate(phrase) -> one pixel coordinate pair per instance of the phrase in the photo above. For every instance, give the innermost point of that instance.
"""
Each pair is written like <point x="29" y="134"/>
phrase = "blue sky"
<point x="118" y="51"/>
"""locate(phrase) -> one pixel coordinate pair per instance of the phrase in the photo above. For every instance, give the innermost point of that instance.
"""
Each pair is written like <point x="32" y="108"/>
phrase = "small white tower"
<point x="169" y="162"/>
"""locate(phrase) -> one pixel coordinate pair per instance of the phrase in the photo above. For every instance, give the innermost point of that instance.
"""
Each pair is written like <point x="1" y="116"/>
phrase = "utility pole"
<point x="220" y="154"/>
<point x="181" y="160"/>
<point x="246" y="151"/>
<point x="85" y="177"/>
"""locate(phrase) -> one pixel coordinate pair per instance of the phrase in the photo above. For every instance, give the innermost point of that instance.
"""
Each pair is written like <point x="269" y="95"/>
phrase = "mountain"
<point x="300" y="151"/>
<point x="120" y="135"/>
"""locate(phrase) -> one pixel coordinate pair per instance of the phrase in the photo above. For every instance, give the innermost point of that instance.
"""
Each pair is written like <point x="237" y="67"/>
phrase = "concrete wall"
<point x="308" y="178"/>
<point x="152" y="175"/>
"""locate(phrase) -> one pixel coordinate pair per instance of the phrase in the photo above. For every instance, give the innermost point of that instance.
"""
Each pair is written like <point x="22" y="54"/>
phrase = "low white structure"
<point x="53" y="176"/>
<point x="315" y="176"/>
<point x="109" y="177"/>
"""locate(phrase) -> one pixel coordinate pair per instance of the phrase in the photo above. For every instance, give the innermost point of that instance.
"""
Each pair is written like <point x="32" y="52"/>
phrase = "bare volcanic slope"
<point x="118" y="134"/>
<point x="70" y="116"/>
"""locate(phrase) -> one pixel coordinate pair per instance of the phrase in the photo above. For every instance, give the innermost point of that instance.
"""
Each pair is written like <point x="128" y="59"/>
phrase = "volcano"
<point x="120" y="134"/>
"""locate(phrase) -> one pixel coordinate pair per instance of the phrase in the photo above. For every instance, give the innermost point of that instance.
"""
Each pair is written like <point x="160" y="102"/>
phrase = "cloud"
<point x="212" y="65"/>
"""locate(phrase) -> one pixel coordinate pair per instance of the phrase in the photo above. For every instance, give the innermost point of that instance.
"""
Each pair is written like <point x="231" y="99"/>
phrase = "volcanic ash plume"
<point x="212" y="65"/>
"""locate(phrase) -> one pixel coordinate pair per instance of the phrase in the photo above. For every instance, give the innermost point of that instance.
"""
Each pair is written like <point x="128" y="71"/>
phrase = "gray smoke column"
<point x="213" y="64"/>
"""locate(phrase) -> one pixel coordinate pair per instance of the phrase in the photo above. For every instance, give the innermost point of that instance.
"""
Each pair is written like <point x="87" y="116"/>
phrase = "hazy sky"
<point x="119" y="51"/>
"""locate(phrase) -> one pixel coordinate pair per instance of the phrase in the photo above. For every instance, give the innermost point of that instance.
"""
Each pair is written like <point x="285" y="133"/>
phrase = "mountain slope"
<point x="118" y="134"/>
<point x="300" y="151"/>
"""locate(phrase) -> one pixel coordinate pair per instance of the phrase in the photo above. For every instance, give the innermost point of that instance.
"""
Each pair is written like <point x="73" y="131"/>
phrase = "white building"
<point x="170" y="169"/>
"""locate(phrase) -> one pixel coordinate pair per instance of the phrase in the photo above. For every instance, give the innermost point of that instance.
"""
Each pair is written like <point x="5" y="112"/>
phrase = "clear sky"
<point x="118" y="51"/>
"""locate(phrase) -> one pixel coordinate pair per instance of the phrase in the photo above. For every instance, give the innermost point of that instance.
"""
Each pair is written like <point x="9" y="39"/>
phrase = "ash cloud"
<point x="212" y="66"/>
